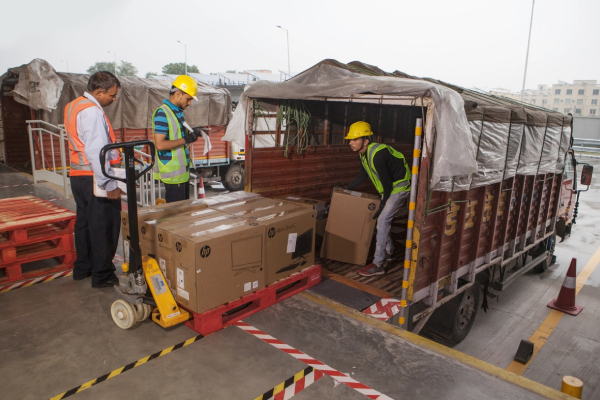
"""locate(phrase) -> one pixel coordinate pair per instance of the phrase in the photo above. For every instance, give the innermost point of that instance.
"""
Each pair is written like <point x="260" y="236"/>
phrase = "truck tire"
<point x="234" y="178"/>
<point x="450" y="324"/>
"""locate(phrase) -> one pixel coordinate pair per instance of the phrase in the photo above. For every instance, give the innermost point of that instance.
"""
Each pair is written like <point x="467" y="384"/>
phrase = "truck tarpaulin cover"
<point x="480" y="139"/>
<point x="42" y="88"/>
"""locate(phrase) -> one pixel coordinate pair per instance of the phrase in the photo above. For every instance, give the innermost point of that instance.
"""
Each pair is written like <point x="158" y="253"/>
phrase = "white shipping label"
<point x="163" y="266"/>
<point x="183" y="294"/>
<point x="254" y="284"/>
<point x="180" y="280"/>
<point x="291" y="246"/>
<point x="126" y="250"/>
<point x="293" y="198"/>
<point x="357" y="194"/>
<point x="247" y="286"/>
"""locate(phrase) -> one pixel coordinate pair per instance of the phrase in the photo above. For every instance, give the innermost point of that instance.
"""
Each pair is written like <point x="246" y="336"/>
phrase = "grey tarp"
<point x="501" y="137"/>
<point x="455" y="151"/>
<point x="135" y="104"/>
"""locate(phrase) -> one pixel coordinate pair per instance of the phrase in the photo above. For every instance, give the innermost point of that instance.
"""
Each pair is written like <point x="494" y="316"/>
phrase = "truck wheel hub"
<point x="466" y="310"/>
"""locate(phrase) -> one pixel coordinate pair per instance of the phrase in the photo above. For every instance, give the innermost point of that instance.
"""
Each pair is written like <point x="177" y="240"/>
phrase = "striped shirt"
<point x="161" y="127"/>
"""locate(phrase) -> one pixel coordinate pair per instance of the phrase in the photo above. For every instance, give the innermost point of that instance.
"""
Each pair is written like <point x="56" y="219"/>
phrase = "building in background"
<point x="580" y="98"/>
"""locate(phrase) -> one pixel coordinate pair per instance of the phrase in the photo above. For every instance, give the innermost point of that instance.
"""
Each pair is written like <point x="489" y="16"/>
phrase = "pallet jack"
<point x="141" y="274"/>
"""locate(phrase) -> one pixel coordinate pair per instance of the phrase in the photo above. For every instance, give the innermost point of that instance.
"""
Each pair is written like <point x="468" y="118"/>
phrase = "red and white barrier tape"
<point x="39" y="279"/>
<point x="313" y="362"/>
<point x="384" y="309"/>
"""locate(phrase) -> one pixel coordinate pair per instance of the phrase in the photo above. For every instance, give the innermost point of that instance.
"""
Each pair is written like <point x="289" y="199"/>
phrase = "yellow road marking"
<point x="540" y="337"/>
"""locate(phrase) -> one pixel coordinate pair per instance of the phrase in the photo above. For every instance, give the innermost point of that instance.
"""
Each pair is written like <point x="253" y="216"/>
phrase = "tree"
<point x="101" y="66"/>
<point x="149" y="74"/>
<point x="123" y="69"/>
<point x="126" y="69"/>
<point x="179" y="69"/>
<point x="231" y="71"/>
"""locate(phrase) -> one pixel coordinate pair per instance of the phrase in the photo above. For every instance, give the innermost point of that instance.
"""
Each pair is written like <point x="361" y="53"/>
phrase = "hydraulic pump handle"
<point x="135" y="253"/>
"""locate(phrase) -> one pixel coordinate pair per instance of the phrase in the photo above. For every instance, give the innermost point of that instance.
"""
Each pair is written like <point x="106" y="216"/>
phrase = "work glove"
<point x="198" y="131"/>
<point x="376" y="215"/>
<point x="191" y="137"/>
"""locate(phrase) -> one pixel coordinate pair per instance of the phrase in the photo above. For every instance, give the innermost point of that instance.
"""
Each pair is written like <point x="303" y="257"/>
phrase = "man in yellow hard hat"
<point x="172" y="139"/>
<point x="387" y="169"/>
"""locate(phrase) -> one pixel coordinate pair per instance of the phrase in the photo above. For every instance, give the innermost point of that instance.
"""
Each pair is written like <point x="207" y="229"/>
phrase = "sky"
<point x="469" y="43"/>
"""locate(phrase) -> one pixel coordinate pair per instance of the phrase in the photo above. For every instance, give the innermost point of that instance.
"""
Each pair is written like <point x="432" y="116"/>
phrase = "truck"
<point x="32" y="107"/>
<point x="495" y="182"/>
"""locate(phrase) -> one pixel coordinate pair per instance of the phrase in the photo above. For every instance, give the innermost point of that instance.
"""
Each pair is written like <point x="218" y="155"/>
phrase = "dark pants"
<point x="177" y="192"/>
<point x="96" y="231"/>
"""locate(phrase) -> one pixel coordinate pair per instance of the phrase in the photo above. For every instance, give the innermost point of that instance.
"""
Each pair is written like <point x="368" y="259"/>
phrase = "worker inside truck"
<point x="172" y="139"/>
<point x="387" y="169"/>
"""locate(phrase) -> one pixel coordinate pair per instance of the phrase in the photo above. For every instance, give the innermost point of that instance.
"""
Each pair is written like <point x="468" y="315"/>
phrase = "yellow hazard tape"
<point x="129" y="366"/>
<point x="401" y="320"/>
<point x="403" y="303"/>
<point x="411" y="224"/>
<point x="415" y="170"/>
<point x="405" y="284"/>
<point x="416" y="153"/>
<point x="409" y="244"/>
<point x="412" y="205"/>
<point x="287" y="383"/>
<point x="418" y="131"/>
<point x="406" y="264"/>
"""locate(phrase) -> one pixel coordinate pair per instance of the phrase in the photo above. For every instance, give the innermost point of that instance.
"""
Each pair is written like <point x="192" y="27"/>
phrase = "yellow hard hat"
<point x="186" y="84"/>
<point x="359" y="129"/>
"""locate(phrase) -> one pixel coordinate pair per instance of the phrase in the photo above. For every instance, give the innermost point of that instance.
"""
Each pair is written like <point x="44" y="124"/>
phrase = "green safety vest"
<point x="401" y="185"/>
<point x="176" y="170"/>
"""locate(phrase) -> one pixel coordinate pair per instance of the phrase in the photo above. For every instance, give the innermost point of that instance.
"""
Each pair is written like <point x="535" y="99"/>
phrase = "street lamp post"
<point x="66" y="62"/>
<point x="185" y="50"/>
<point x="527" y="56"/>
<point x="287" y="35"/>
<point x="114" y="54"/>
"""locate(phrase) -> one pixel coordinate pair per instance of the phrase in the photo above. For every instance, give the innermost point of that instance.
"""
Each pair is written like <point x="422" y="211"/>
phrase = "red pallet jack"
<point x="143" y="273"/>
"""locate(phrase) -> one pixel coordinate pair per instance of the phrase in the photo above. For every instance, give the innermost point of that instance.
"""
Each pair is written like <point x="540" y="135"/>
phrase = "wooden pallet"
<point x="218" y="318"/>
<point x="32" y="229"/>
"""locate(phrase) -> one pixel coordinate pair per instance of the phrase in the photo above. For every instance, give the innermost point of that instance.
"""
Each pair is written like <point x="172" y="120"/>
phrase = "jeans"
<point x="177" y="192"/>
<point x="384" y="224"/>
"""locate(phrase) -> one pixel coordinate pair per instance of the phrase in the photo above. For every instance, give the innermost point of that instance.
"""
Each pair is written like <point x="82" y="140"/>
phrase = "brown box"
<point x="159" y="243"/>
<point x="320" y="232"/>
<point x="163" y="210"/>
<point x="244" y="207"/>
<point x="217" y="263"/>
<point x="350" y="226"/>
<point x="290" y="239"/>
<point x="320" y="206"/>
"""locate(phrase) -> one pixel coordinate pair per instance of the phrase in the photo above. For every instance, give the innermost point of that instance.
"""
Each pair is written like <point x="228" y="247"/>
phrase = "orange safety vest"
<point x="80" y="165"/>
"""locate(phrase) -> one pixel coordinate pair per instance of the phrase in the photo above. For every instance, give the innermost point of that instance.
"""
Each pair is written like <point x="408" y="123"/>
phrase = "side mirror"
<point x="586" y="174"/>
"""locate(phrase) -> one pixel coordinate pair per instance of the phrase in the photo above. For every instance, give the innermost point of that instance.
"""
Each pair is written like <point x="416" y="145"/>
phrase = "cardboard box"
<point x="163" y="210"/>
<point x="216" y="263"/>
<point x="248" y="206"/>
<point x="159" y="244"/>
<point x="350" y="226"/>
<point x="290" y="240"/>
<point x="320" y="206"/>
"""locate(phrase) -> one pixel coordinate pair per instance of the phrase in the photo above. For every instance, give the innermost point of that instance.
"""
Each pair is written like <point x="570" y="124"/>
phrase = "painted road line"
<point x="541" y="335"/>
<point x="293" y="385"/>
<point x="313" y="362"/>
<point x="126" y="368"/>
<point x="35" y="281"/>
<point x="436" y="347"/>
<point x="384" y="309"/>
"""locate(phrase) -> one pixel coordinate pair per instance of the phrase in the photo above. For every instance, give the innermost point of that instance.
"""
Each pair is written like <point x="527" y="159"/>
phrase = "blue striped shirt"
<point x="161" y="127"/>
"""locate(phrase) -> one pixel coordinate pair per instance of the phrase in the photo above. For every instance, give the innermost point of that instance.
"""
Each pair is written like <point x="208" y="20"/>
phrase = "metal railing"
<point x="587" y="147"/>
<point x="52" y="174"/>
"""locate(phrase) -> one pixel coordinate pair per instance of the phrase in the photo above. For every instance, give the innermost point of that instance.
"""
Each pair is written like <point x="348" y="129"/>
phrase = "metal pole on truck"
<point x="287" y="35"/>
<point x="185" y="53"/>
<point x="527" y="55"/>
<point x="411" y="218"/>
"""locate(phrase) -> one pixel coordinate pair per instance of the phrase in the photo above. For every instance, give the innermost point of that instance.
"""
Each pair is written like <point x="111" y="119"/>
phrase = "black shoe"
<point x="108" y="283"/>
<point x="81" y="277"/>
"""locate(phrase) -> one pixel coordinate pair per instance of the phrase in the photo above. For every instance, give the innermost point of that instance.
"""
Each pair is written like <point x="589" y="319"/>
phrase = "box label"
<point x="126" y="250"/>
<point x="291" y="244"/>
<point x="183" y="294"/>
<point x="254" y="284"/>
<point x="247" y="286"/>
<point x="163" y="266"/>
<point x="180" y="278"/>
<point x="357" y="194"/>
<point x="159" y="284"/>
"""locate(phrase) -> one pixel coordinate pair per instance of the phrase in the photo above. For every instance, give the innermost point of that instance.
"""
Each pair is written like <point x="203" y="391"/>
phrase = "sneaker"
<point x="110" y="282"/>
<point x="390" y="256"/>
<point x="80" y="277"/>
<point x="371" y="270"/>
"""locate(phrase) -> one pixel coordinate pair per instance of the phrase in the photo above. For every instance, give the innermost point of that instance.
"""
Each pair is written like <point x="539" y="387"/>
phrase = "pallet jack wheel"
<point x="147" y="311"/>
<point x="123" y="313"/>
<point x="140" y="312"/>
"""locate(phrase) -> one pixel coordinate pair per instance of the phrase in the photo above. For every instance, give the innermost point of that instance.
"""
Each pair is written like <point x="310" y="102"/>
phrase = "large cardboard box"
<point x="243" y="207"/>
<point x="163" y="210"/>
<point x="350" y="226"/>
<point x="290" y="240"/>
<point x="217" y="262"/>
<point x="320" y="206"/>
<point x="160" y="244"/>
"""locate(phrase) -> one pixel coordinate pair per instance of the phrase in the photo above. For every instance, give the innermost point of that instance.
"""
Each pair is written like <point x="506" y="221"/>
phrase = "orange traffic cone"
<point x="566" y="297"/>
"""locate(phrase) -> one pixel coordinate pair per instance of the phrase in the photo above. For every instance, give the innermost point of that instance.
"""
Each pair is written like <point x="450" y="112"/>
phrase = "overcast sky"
<point x="466" y="42"/>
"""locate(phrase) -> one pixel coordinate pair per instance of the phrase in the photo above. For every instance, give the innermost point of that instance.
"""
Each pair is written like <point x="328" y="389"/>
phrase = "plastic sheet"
<point x="455" y="151"/>
<point x="39" y="87"/>
<point x="565" y="141"/>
